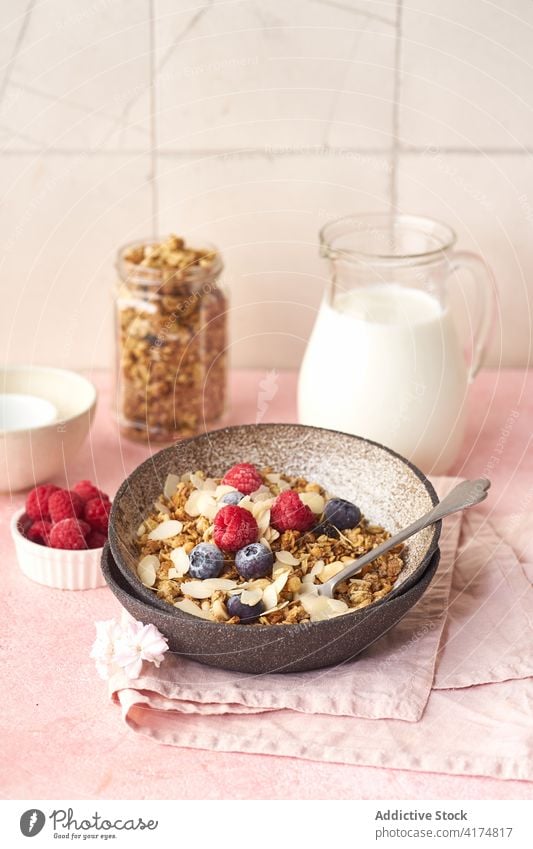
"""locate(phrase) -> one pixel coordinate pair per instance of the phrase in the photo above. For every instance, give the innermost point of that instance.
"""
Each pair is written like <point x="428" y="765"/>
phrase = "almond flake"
<point x="331" y="570"/>
<point x="261" y="507"/>
<point x="161" y="508"/>
<point x="321" y="607"/>
<point x="251" y="597"/>
<point x="316" y="607"/>
<point x="205" y="589"/>
<point x="314" y="501"/>
<point x="265" y="542"/>
<point x="280" y="581"/>
<point x="167" y="529"/>
<point x="189" y="606"/>
<point x="257" y="584"/>
<point x="191" y="505"/>
<point x="273" y="478"/>
<point x="171" y="485"/>
<point x="337" y="606"/>
<point x="247" y="504"/>
<point x="271" y="534"/>
<point x="172" y="573"/>
<point x="238" y="588"/>
<point x="317" y="568"/>
<point x="197" y="480"/>
<point x="141" y="529"/>
<point x="287" y="558"/>
<point x="270" y="597"/>
<point x="147" y="570"/>
<point x="261" y="494"/>
<point x="223" y="489"/>
<point x="263" y="522"/>
<point x="207" y="505"/>
<point x="307" y="588"/>
<point x="180" y="559"/>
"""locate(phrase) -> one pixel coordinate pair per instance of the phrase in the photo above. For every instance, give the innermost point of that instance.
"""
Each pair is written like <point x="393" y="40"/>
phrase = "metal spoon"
<point x="465" y="494"/>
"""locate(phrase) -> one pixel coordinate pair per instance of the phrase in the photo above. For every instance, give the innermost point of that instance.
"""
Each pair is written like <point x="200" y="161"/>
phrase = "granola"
<point x="171" y="340"/>
<point x="184" y="520"/>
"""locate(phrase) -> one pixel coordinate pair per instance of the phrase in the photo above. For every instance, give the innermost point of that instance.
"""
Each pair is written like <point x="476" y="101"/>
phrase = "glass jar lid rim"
<point x="150" y="273"/>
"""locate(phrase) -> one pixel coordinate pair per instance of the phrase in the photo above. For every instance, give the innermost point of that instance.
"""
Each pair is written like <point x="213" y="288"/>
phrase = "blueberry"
<point x="342" y="514"/>
<point x="232" y="497"/>
<point x="327" y="529"/>
<point x="254" y="561"/>
<point x="206" y="561"/>
<point x="245" y="612"/>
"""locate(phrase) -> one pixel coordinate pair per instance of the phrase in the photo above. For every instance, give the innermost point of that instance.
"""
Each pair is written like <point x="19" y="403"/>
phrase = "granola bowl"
<point x="315" y="463"/>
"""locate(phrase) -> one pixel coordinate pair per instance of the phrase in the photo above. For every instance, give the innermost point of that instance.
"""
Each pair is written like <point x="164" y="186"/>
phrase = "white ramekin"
<point x="37" y="454"/>
<point x="56" y="567"/>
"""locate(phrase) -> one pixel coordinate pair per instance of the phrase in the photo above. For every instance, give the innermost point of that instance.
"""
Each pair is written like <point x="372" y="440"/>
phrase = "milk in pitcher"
<point x="384" y="362"/>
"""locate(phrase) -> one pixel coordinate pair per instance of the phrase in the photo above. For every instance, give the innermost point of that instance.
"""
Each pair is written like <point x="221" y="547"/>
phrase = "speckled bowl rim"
<point x="299" y="627"/>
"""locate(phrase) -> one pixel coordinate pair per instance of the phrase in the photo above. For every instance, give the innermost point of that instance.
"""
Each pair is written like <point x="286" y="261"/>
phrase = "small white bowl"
<point x="56" y="567"/>
<point x="32" y="454"/>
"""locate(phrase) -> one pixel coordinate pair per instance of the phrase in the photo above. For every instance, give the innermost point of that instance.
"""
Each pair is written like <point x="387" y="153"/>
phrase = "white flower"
<point x="139" y="642"/>
<point x="103" y="649"/>
<point x="126" y="647"/>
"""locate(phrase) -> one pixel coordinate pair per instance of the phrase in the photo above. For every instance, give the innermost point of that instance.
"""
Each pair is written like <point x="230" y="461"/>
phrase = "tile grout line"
<point x="371" y="16"/>
<point x="316" y="150"/>
<point x="152" y="81"/>
<point x="189" y="26"/>
<point x="16" y="49"/>
<point x="395" y="144"/>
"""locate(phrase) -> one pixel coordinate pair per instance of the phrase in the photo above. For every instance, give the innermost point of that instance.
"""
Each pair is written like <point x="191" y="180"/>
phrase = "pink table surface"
<point x="61" y="737"/>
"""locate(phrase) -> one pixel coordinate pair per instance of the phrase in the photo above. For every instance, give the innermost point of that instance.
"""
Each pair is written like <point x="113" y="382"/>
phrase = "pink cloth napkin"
<point x="473" y="626"/>
<point x="489" y="630"/>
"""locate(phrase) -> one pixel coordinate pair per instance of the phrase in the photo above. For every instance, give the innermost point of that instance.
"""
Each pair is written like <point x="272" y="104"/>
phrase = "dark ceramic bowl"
<point x="389" y="490"/>
<point x="261" y="649"/>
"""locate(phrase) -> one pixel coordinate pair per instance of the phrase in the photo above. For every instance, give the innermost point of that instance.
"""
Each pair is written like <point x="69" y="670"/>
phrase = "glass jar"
<point x="171" y="340"/>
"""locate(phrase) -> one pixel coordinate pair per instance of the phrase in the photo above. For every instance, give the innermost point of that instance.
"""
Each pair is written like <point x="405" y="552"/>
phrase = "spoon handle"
<point x="465" y="494"/>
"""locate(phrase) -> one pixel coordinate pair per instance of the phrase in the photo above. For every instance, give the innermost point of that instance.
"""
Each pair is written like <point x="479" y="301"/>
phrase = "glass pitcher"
<point x="384" y="360"/>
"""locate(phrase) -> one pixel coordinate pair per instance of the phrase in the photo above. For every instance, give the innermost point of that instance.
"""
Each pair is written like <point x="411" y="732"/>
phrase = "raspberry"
<point x="69" y="533"/>
<point x="96" y="513"/>
<point x="289" y="513"/>
<point x="64" y="504"/>
<point x="40" y="532"/>
<point x="37" y="501"/>
<point x="243" y="477"/>
<point x="87" y="490"/>
<point x="235" y="527"/>
<point x="95" y="539"/>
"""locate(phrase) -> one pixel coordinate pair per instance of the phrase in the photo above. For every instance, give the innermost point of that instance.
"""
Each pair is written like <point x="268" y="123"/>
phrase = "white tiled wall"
<point x="272" y="117"/>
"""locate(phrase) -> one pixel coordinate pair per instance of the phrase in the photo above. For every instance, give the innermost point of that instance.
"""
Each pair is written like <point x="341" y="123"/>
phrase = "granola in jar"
<point x="171" y="340"/>
<point x="253" y="546"/>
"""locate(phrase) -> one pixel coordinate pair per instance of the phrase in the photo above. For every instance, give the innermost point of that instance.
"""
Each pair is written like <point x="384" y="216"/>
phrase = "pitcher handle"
<point x="485" y="287"/>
